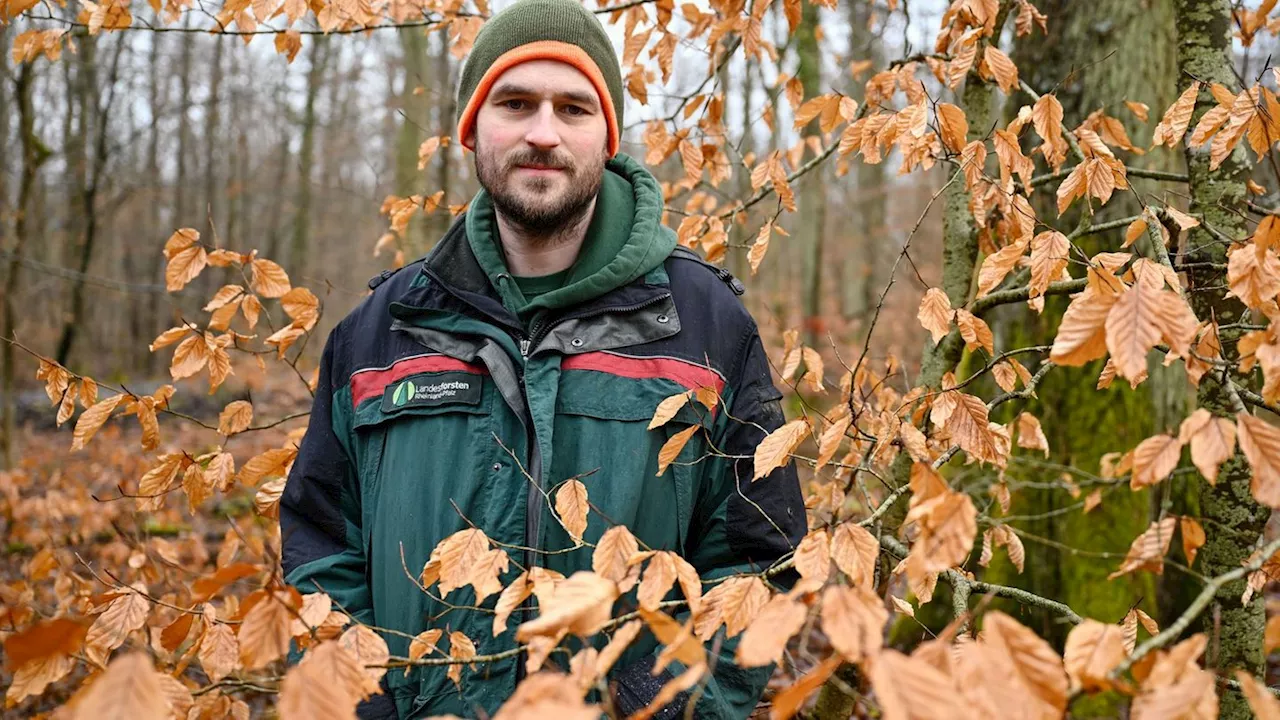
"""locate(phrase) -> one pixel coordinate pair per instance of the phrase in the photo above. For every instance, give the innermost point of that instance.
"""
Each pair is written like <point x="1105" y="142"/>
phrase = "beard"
<point x="533" y="203"/>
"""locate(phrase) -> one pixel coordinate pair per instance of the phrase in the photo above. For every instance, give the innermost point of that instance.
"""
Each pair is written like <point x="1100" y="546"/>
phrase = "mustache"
<point x="543" y="160"/>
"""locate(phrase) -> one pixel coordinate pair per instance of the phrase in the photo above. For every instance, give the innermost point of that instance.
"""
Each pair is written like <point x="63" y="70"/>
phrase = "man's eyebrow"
<point x="584" y="98"/>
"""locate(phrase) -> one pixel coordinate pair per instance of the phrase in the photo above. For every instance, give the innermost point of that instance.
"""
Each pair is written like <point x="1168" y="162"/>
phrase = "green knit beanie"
<point x="527" y="30"/>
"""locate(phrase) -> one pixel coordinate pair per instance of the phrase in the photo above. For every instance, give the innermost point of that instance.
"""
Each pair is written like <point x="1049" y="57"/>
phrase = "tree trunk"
<point x="1219" y="197"/>
<point x="858" y="265"/>
<point x="302" y="222"/>
<point x="34" y="153"/>
<point x="181" y="211"/>
<point x="144" y="262"/>
<point x="411" y="131"/>
<point x="446" y="109"/>
<point x="85" y="96"/>
<point x="283" y="161"/>
<point x="812" y="190"/>
<point x="212" y="152"/>
<point x="4" y="135"/>
<point x="231" y="195"/>
<point x="1112" y="52"/>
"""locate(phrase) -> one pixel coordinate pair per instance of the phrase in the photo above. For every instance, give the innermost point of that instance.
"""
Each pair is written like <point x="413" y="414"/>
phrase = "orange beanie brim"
<point x="541" y="50"/>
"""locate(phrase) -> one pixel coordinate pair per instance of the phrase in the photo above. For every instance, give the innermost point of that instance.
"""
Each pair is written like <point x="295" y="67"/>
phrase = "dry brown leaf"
<point x="1253" y="275"/>
<point x="219" y="651"/>
<point x="831" y="438"/>
<point x="947" y="522"/>
<point x="264" y="634"/>
<point x="671" y="448"/>
<point x="124" y="615"/>
<point x="1154" y="459"/>
<point x="424" y="643"/>
<point x="1212" y="439"/>
<point x="580" y="604"/>
<point x="460" y="648"/>
<point x="32" y="678"/>
<point x="572" y="507"/>
<point x="1082" y="333"/>
<point x="130" y="689"/>
<point x="935" y="313"/>
<point x="813" y="369"/>
<point x="269" y="279"/>
<point x="235" y="417"/>
<point x="510" y="599"/>
<point x="1092" y="651"/>
<point x="1173" y="126"/>
<point x="813" y="560"/>
<point x="368" y="648"/>
<point x="999" y="264"/>
<point x="668" y="408"/>
<point x="1031" y="435"/>
<point x="302" y="306"/>
<point x="1176" y="688"/>
<point x="326" y="685"/>
<point x="1050" y="252"/>
<point x="1025" y="664"/>
<point x="775" y="449"/>
<point x="610" y="558"/>
<point x="184" y="266"/>
<point x="953" y="126"/>
<point x="1133" y="327"/>
<point x="853" y="619"/>
<point x="763" y="641"/>
<point x="789" y="701"/>
<point x="1260" y="443"/>
<point x="91" y="421"/>
<point x="1148" y="549"/>
<point x="733" y="603"/>
<point x="854" y="550"/>
<point x="910" y="688"/>
<point x="970" y="429"/>
<point x="1265" y="706"/>
<point x="1192" y="537"/>
<point x="975" y="331"/>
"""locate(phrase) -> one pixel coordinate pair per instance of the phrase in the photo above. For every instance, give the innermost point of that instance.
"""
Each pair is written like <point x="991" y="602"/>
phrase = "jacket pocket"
<point x="603" y="437"/>
<point x="425" y="456"/>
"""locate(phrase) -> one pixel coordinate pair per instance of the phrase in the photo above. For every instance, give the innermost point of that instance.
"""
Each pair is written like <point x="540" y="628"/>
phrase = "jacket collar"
<point x="451" y="279"/>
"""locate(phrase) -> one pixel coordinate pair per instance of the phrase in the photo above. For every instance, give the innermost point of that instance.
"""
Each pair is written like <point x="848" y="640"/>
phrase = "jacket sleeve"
<point x="733" y="534"/>
<point x="321" y="539"/>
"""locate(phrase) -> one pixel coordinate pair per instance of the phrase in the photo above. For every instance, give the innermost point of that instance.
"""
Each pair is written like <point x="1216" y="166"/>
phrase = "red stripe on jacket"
<point x="371" y="383"/>
<point x="690" y="375"/>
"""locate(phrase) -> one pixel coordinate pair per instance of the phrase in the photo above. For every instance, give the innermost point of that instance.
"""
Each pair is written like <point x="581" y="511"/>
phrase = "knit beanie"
<point x="527" y="30"/>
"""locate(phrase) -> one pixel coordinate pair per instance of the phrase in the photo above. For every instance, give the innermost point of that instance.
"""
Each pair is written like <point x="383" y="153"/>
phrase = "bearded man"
<point x="531" y="348"/>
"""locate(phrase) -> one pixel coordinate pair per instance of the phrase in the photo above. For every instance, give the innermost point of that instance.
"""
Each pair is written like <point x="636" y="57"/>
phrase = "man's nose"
<point x="543" y="132"/>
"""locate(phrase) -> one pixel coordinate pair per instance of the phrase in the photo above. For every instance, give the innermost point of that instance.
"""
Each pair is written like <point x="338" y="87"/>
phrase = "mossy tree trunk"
<point x="812" y="188"/>
<point x="1093" y="58"/>
<point x="1232" y="519"/>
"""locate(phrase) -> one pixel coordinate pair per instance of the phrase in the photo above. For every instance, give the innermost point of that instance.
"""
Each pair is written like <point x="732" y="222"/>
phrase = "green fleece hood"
<point x="625" y="240"/>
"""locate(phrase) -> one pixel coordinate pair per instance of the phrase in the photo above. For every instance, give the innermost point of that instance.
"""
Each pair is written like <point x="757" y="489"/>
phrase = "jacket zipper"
<point x="533" y="519"/>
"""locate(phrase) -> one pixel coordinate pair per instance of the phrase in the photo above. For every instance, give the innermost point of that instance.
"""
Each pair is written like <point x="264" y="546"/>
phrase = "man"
<point x="530" y="347"/>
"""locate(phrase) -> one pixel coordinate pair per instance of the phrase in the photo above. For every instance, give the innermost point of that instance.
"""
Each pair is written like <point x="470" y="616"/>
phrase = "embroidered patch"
<point x="429" y="389"/>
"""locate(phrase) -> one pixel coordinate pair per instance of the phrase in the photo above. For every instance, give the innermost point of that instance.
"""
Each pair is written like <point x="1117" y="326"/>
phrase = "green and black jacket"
<point x="444" y="388"/>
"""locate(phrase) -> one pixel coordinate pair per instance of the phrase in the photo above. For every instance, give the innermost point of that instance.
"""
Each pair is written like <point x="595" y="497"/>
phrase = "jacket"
<point x="436" y="399"/>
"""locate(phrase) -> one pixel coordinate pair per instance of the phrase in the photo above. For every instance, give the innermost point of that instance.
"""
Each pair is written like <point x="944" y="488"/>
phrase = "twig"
<point x="1196" y="607"/>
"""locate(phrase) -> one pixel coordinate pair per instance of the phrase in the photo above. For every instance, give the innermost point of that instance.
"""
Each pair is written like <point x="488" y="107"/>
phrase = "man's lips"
<point x="539" y="169"/>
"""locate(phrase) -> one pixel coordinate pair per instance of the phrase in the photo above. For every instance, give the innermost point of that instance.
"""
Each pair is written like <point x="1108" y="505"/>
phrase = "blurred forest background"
<point x="141" y="133"/>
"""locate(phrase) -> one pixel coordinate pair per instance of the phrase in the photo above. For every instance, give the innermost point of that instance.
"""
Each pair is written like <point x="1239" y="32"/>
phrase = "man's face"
<point x="541" y="141"/>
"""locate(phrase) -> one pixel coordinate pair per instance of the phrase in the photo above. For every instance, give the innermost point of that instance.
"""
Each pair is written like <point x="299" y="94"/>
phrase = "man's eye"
<point x="509" y="104"/>
<point x="575" y="110"/>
